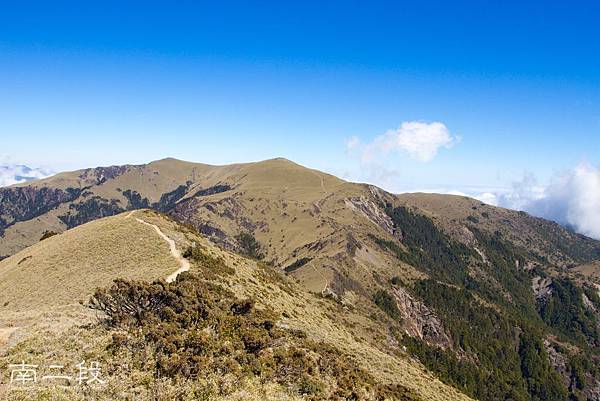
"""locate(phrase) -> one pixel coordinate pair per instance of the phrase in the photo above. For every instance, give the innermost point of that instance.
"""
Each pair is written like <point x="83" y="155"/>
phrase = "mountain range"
<point x="423" y="296"/>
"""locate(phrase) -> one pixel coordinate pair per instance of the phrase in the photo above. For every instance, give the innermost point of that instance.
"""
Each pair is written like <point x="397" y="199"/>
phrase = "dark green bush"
<point x="387" y="303"/>
<point x="47" y="234"/>
<point x="297" y="264"/>
<point x="396" y="281"/>
<point x="473" y="219"/>
<point x="211" y="264"/>
<point x="249" y="246"/>
<point x="196" y="328"/>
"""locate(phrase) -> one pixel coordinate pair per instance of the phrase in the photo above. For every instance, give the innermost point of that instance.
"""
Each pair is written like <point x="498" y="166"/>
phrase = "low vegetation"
<point x="249" y="246"/>
<point x="387" y="303"/>
<point x="211" y="265"/>
<point x="47" y="234"/>
<point x="192" y="329"/>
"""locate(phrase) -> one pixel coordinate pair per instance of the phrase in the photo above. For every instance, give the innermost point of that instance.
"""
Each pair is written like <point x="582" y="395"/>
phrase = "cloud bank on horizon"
<point x="17" y="173"/>
<point x="571" y="198"/>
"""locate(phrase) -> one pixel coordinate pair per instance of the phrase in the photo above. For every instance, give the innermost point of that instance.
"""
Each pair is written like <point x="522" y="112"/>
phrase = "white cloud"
<point x="15" y="173"/>
<point x="487" y="197"/>
<point x="419" y="140"/>
<point x="571" y="198"/>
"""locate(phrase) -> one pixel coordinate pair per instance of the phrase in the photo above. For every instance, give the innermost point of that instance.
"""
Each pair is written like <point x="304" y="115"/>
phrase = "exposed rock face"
<point x="419" y="321"/>
<point x="542" y="287"/>
<point x="588" y="303"/>
<point x="482" y="255"/>
<point x="592" y="390"/>
<point x="461" y="234"/>
<point x="560" y="362"/>
<point x="371" y="211"/>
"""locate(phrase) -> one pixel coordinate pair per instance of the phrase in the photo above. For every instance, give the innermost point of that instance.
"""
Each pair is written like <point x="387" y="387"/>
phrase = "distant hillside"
<point x="497" y="303"/>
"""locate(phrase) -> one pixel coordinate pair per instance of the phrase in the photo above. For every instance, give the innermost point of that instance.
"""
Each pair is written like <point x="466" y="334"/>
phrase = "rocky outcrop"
<point x="588" y="303"/>
<point x="592" y="390"/>
<point x="371" y="211"/>
<point x="542" y="287"/>
<point x="560" y="362"/>
<point x="419" y="321"/>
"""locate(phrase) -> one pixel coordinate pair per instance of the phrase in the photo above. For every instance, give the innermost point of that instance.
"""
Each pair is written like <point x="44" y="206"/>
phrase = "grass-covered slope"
<point x="66" y="268"/>
<point x="230" y="328"/>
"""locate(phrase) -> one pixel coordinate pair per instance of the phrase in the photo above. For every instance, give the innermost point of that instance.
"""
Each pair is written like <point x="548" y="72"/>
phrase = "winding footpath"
<point x="183" y="262"/>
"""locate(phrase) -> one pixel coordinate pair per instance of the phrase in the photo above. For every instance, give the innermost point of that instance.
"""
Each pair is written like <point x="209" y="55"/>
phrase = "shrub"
<point x="195" y="329"/>
<point x="473" y="219"/>
<point x="211" y="264"/>
<point x="47" y="234"/>
<point x="249" y="246"/>
<point x="387" y="303"/>
<point x="297" y="264"/>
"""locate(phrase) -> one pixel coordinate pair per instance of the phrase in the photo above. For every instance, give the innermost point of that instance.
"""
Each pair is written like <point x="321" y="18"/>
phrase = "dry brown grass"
<point x="66" y="268"/>
<point x="54" y="329"/>
<point x="324" y="320"/>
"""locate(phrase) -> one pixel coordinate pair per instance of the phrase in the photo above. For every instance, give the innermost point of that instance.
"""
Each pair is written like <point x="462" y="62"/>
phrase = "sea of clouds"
<point x="16" y="173"/>
<point x="571" y="198"/>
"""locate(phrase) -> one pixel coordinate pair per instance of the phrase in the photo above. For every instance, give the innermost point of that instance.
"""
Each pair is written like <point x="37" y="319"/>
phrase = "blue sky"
<point x="517" y="86"/>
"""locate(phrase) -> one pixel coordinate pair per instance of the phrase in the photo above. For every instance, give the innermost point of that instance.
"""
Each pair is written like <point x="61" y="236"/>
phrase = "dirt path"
<point x="322" y="182"/>
<point x="319" y="202"/>
<point x="183" y="262"/>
